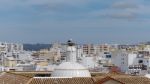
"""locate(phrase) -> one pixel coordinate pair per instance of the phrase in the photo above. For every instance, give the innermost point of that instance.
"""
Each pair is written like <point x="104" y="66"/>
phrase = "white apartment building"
<point x="131" y="63"/>
<point x="10" y="47"/>
<point x="123" y="59"/>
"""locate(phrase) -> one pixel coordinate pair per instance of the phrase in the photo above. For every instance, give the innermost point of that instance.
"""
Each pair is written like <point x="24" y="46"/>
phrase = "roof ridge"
<point x="109" y="78"/>
<point x="29" y="81"/>
<point x="19" y="74"/>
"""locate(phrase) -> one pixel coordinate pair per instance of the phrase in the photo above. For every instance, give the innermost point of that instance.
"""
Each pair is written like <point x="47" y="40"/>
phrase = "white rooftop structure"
<point x="147" y="75"/>
<point x="71" y="68"/>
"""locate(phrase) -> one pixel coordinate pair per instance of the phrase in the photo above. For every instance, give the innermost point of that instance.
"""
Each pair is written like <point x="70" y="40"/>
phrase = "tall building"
<point x="103" y="48"/>
<point x="89" y="49"/>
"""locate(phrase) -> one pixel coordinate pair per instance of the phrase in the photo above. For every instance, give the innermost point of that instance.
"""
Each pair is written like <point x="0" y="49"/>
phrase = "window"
<point x="140" y="61"/>
<point x="106" y="52"/>
<point x="108" y="56"/>
<point x="122" y="58"/>
<point x="130" y="67"/>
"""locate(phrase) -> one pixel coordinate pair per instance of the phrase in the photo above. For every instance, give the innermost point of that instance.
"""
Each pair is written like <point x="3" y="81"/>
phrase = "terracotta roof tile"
<point x="9" y="78"/>
<point x="62" y="81"/>
<point x="107" y="79"/>
<point x="25" y="78"/>
<point x="127" y="79"/>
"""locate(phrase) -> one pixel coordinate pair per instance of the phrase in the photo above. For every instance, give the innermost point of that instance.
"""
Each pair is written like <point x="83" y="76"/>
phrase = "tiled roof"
<point x="127" y="79"/>
<point x="10" y="78"/>
<point x="61" y="81"/>
<point x="107" y="79"/>
<point x="27" y="78"/>
<point x="134" y="80"/>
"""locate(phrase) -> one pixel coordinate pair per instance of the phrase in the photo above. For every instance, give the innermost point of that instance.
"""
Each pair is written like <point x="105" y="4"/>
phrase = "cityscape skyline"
<point x="86" y="21"/>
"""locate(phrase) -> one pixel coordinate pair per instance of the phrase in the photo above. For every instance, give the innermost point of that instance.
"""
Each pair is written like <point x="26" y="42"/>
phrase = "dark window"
<point x="106" y="52"/>
<point x="130" y="67"/>
<point x="140" y="61"/>
<point x="108" y="56"/>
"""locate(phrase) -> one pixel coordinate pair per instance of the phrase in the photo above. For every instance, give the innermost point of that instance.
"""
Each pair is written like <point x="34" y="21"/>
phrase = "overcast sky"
<point x="85" y="21"/>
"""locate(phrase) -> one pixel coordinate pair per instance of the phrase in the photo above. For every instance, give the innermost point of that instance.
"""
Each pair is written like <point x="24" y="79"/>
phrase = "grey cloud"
<point x="10" y="4"/>
<point x="124" y="5"/>
<point x="124" y="10"/>
<point x="115" y="14"/>
<point x="46" y="7"/>
<point x="119" y="10"/>
<point x="126" y="15"/>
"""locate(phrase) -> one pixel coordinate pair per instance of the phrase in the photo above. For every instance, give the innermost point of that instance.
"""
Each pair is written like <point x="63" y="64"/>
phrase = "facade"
<point x="89" y="49"/>
<point x="123" y="59"/>
<point x="131" y="63"/>
<point x="25" y="67"/>
<point x="53" y="55"/>
<point x="103" y="48"/>
<point x="10" y="47"/>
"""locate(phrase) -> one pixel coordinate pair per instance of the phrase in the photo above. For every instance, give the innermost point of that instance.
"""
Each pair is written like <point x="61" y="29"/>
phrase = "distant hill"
<point x="36" y="47"/>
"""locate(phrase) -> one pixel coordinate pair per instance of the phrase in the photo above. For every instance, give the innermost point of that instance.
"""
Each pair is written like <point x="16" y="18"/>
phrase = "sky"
<point x="85" y="21"/>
